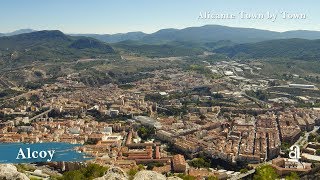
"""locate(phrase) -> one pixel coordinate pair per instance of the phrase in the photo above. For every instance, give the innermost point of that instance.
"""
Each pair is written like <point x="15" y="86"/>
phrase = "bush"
<point x="150" y="166"/>
<point x="265" y="172"/>
<point x="132" y="172"/>
<point x="186" y="177"/>
<point x="243" y="170"/>
<point x="212" y="178"/>
<point x="90" y="172"/>
<point x="311" y="137"/>
<point x="292" y="176"/>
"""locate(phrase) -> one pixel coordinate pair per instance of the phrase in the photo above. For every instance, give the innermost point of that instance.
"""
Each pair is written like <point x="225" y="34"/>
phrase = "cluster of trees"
<point x="266" y="172"/>
<point x="150" y="166"/>
<point x="145" y="132"/>
<point x="285" y="147"/>
<point x="90" y="172"/>
<point x="154" y="97"/>
<point x="308" y="105"/>
<point x="315" y="137"/>
<point x="203" y="70"/>
<point x="314" y="79"/>
<point x="199" y="163"/>
<point x="259" y="94"/>
<point x="9" y="92"/>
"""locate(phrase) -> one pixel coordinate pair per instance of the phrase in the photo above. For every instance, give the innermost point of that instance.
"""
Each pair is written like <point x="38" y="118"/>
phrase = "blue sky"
<point x="115" y="16"/>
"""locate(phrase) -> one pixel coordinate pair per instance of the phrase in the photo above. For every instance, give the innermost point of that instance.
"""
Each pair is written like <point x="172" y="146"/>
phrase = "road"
<point x="303" y="139"/>
<point x="41" y="114"/>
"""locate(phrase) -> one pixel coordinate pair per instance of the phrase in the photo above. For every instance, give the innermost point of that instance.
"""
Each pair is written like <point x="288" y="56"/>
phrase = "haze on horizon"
<point x="121" y="16"/>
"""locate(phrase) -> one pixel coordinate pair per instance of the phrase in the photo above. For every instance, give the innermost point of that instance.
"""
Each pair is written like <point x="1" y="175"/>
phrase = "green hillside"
<point x="51" y="45"/>
<point x="286" y="48"/>
<point x="169" y="49"/>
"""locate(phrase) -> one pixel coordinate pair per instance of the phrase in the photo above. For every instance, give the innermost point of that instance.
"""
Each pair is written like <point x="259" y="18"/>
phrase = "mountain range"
<point x="20" y="31"/>
<point x="235" y="42"/>
<point x="202" y="34"/>
<point x="207" y="33"/>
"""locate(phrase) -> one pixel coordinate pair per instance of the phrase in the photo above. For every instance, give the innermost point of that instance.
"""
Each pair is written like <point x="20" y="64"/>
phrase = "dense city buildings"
<point x="162" y="122"/>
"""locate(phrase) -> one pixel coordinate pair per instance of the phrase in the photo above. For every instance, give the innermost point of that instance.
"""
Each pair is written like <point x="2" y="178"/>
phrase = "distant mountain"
<point x="204" y="34"/>
<point x="210" y="33"/>
<point x="302" y="34"/>
<point x="51" y="45"/>
<point x="113" y="38"/>
<point x="20" y="31"/>
<point x="287" y="48"/>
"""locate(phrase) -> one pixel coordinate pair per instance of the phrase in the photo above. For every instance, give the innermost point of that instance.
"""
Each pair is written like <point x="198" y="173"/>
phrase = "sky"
<point x="120" y="16"/>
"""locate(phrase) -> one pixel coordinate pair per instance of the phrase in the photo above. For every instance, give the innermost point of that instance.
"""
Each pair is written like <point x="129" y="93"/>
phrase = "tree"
<point x="145" y="132"/>
<point x="292" y="176"/>
<point x="199" y="163"/>
<point x="318" y="152"/>
<point x="265" y="172"/>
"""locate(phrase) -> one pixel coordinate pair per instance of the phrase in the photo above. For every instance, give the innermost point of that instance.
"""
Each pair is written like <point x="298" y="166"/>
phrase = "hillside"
<point x="288" y="48"/>
<point x="169" y="49"/>
<point x="51" y="45"/>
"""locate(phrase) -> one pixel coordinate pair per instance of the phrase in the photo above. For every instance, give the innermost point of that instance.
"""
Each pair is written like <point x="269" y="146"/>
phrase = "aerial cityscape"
<point x="205" y="101"/>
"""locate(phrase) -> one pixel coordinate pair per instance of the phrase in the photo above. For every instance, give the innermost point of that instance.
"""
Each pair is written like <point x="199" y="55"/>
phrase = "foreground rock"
<point x="149" y="175"/>
<point x="114" y="173"/>
<point x="10" y="172"/>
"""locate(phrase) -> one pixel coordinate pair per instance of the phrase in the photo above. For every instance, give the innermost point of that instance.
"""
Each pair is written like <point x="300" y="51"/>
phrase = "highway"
<point x="41" y="114"/>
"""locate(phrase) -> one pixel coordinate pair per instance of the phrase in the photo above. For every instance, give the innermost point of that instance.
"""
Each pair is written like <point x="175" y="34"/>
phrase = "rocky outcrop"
<point x="149" y="175"/>
<point x="114" y="173"/>
<point x="10" y="172"/>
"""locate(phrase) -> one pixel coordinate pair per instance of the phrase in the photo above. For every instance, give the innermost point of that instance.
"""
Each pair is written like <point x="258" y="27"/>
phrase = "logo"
<point x="294" y="154"/>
